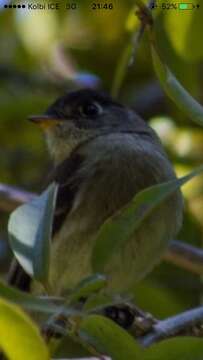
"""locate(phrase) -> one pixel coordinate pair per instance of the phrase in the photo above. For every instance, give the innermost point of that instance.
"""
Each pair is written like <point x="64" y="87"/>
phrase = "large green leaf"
<point x="30" y="228"/>
<point x="109" y="338"/>
<point x="19" y="337"/>
<point x="185" y="348"/>
<point x="175" y="90"/>
<point x="124" y="223"/>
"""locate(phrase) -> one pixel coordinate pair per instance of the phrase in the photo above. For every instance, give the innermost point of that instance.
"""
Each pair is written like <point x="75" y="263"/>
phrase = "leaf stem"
<point x="128" y="55"/>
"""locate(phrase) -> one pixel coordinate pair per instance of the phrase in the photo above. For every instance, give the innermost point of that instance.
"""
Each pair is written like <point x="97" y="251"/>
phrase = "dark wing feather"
<point x="68" y="186"/>
<point x="63" y="175"/>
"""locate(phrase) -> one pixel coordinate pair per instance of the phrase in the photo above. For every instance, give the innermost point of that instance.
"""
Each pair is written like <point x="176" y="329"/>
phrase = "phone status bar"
<point x="174" y="6"/>
<point x="50" y="5"/>
<point x="102" y="5"/>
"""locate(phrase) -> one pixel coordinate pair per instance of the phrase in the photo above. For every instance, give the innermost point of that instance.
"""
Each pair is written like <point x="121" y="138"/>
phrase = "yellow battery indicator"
<point x="185" y="6"/>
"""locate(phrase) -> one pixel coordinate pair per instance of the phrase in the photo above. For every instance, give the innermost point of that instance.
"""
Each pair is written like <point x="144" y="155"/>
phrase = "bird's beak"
<point x="45" y="121"/>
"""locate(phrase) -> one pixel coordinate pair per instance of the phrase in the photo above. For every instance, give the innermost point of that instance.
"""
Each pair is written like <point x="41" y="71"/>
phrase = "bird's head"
<point x="79" y="116"/>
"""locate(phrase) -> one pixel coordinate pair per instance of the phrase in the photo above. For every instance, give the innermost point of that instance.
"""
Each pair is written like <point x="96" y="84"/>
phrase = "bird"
<point x="104" y="154"/>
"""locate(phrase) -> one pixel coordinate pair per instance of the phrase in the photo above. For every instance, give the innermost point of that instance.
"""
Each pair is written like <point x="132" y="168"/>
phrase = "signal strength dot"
<point x="14" y="6"/>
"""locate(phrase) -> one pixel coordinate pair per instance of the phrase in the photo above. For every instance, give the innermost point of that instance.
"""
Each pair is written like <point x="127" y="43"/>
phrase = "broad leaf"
<point x="30" y="228"/>
<point x="175" y="90"/>
<point x="125" y="222"/>
<point x="70" y="348"/>
<point x="109" y="338"/>
<point x="19" y="337"/>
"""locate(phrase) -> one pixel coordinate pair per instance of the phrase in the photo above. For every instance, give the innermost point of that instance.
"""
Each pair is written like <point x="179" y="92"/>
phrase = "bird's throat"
<point x="60" y="147"/>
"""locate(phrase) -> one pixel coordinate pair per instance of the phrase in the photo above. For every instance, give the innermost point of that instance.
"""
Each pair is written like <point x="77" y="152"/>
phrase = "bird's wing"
<point x="68" y="184"/>
<point x="63" y="175"/>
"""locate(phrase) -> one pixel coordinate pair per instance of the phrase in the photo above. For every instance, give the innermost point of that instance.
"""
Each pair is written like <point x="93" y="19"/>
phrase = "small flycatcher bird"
<point x="104" y="154"/>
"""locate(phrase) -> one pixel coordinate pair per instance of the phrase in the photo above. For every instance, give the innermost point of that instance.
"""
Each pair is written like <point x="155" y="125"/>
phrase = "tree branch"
<point x="187" y="323"/>
<point x="185" y="256"/>
<point x="148" y="330"/>
<point x="11" y="197"/>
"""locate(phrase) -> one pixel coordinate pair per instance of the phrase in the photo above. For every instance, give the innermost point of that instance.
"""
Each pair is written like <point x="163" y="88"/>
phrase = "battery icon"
<point x="185" y="6"/>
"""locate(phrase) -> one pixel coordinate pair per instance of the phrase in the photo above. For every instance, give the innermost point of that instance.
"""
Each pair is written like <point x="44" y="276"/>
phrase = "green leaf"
<point x="87" y="286"/>
<point x="128" y="51"/>
<point x="30" y="228"/>
<point x="175" y="90"/>
<point x="19" y="337"/>
<point x="184" y="29"/>
<point x="124" y="223"/>
<point x="109" y="338"/>
<point x="98" y="302"/>
<point x="132" y="21"/>
<point x="69" y="347"/>
<point x="145" y="291"/>
<point x="28" y="301"/>
<point x="185" y="348"/>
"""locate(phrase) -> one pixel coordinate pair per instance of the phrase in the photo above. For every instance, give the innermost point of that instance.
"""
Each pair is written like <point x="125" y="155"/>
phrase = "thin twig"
<point x="147" y="330"/>
<point x="185" y="256"/>
<point x="128" y="55"/>
<point x="182" y="324"/>
<point x="11" y="197"/>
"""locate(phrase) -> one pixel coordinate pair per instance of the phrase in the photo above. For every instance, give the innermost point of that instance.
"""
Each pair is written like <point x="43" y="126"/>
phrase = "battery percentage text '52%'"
<point x="175" y="6"/>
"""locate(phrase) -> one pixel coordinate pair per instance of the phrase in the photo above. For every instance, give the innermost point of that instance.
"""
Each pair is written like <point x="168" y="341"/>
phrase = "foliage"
<point x="47" y="52"/>
<point x="126" y="221"/>
<point x="94" y="332"/>
<point x="19" y="335"/>
<point x="30" y="228"/>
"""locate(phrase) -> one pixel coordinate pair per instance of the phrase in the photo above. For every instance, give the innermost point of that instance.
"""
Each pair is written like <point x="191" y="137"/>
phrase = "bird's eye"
<point x="91" y="109"/>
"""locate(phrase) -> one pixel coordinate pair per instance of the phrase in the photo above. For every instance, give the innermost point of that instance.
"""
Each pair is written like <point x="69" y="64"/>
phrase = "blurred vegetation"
<point x="43" y="54"/>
